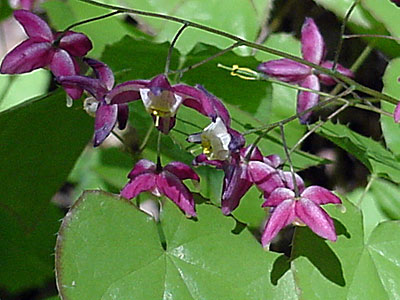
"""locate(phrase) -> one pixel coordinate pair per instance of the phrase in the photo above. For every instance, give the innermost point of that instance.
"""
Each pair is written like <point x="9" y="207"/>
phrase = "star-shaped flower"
<point x="306" y="209"/>
<point x="313" y="50"/>
<point x="147" y="177"/>
<point x="45" y="49"/>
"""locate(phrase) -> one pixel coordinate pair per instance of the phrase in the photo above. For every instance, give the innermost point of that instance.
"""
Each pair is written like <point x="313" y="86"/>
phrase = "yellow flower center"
<point x="206" y="145"/>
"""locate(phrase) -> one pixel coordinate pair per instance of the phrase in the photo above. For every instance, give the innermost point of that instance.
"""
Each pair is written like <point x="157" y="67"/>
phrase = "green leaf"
<point x="361" y="21"/>
<point x="5" y="10"/>
<point x="371" y="153"/>
<point x="16" y="89"/>
<point x="108" y="249"/>
<point x="391" y="130"/>
<point x="101" y="32"/>
<point x="242" y="19"/>
<point x="35" y="162"/>
<point x="387" y="197"/>
<point x="349" y="268"/>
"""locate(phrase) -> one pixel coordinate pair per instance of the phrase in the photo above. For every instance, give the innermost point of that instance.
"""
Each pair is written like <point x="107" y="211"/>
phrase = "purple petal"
<point x="396" y="114"/>
<point x="93" y="86"/>
<point x="142" y="183"/>
<point x="27" y="56"/>
<point x="288" y="180"/>
<point x="328" y="80"/>
<point x="125" y="92"/>
<point x="285" y="69"/>
<point x="77" y="44"/>
<point x="312" y="43"/>
<point x="237" y="140"/>
<point x="315" y="218"/>
<point x="164" y="124"/>
<point x="203" y="160"/>
<point x="277" y="196"/>
<point x="236" y="184"/>
<point x="201" y="100"/>
<point x="106" y="117"/>
<point x="255" y="155"/>
<point x="123" y="115"/>
<point x="142" y="166"/>
<point x="273" y="160"/>
<point x="264" y="176"/>
<point x="282" y="216"/>
<point x="320" y="195"/>
<point x="174" y="189"/>
<point x="159" y="84"/>
<point x="181" y="170"/>
<point x="306" y="100"/>
<point x="102" y="71"/>
<point x="27" y="4"/>
<point x="34" y="26"/>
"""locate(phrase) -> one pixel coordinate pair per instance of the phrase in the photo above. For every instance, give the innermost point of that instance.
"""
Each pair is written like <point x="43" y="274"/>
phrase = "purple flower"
<point x="43" y="49"/>
<point x="313" y="50"/>
<point x="109" y="104"/>
<point x="304" y="210"/>
<point x="147" y="177"/>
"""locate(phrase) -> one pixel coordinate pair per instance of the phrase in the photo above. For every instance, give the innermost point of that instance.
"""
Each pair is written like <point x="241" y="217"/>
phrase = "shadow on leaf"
<point x="280" y="267"/>
<point x="319" y="253"/>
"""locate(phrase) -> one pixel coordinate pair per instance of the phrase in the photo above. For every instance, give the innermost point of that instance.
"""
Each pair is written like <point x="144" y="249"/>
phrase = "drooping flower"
<point x="45" y="49"/>
<point x="109" y="104"/>
<point x="305" y="209"/>
<point x="313" y="50"/>
<point x="147" y="177"/>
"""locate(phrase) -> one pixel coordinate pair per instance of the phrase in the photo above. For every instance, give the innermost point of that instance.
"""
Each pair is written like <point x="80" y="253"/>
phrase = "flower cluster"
<point x="223" y="147"/>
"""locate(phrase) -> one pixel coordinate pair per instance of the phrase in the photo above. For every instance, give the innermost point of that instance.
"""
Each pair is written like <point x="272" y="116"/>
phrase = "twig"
<point x="171" y="48"/>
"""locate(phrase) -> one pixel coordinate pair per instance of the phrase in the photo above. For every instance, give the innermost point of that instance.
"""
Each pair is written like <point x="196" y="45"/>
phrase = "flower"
<point x="146" y="176"/>
<point x="43" y="49"/>
<point x="313" y="50"/>
<point x="288" y="209"/>
<point x="108" y="103"/>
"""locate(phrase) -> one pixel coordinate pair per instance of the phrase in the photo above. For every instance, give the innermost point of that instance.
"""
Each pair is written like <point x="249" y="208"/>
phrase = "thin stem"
<point x="342" y="29"/>
<point x="171" y="47"/>
<point x="244" y="42"/>
<point x="296" y="188"/>
<point x="376" y="36"/>
<point x="92" y="19"/>
<point x="189" y="123"/>
<point x="318" y="125"/>
<point x="181" y="71"/>
<point x="371" y="180"/>
<point x="159" y="166"/>
<point x="146" y="137"/>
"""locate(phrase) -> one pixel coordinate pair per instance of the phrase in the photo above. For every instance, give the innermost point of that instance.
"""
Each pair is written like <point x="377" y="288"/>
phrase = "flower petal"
<point x="396" y="114"/>
<point x="125" y="92"/>
<point x="27" y="56"/>
<point x="34" y="26"/>
<point x="282" y="216"/>
<point x="306" y="100"/>
<point x="328" y="80"/>
<point x="174" y="189"/>
<point x="315" y="218"/>
<point x="123" y="115"/>
<point x="237" y="140"/>
<point x="102" y="71"/>
<point x="320" y="195"/>
<point x="285" y="69"/>
<point x="142" y="166"/>
<point x="236" y="184"/>
<point x="159" y="84"/>
<point x="77" y="44"/>
<point x="287" y="178"/>
<point x="273" y="160"/>
<point x="264" y="176"/>
<point x="312" y="43"/>
<point x="181" y="170"/>
<point x="202" y="159"/>
<point x="106" y="117"/>
<point x="142" y="183"/>
<point x="255" y="155"/>
<point x="277" y="196"/>
<point x="164" y="124"/>
<point x="92" y="85"/>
